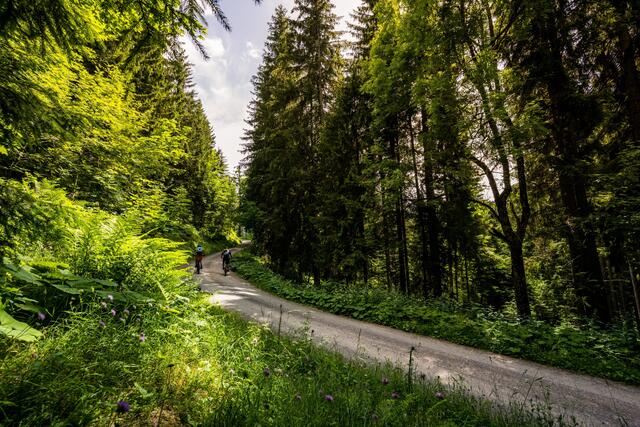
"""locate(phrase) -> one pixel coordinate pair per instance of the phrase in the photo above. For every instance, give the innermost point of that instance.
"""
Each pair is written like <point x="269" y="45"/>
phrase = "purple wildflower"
<point x="142" y="337"/>
<point x="113" y="312"/>
<point x="41" y="316"/>
<point x="102" y="324"/>
<point x="266" y="372"/>
<point x="385" y="381"/>
<point x="395" y="395"/>
<point x="328" y="398"/>
<point x="123" y="406"/>
<point x="440" y="395"/>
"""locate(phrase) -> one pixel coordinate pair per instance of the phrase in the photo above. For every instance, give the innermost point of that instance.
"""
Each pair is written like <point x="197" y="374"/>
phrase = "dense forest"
<point x="103" y="142"/>
<point x="481" y="156"/>
<point x="96" y="100"/>
<point x="473" y="151"/>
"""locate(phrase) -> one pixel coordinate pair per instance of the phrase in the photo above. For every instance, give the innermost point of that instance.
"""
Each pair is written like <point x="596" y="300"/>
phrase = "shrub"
<point x="604" y="353"/>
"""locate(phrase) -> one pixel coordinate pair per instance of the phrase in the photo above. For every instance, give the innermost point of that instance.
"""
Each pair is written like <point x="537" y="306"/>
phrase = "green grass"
<point x="114" y="318"/>
<point x="202" y="366"/>
<point x="611" y="354"/>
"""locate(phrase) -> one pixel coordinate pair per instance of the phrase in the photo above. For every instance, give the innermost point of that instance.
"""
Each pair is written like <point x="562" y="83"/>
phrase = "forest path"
<point x="592" y="401"/>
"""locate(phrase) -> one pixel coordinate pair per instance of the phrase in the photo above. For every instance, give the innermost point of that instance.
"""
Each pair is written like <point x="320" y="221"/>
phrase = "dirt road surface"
<point x="502" y="379"/>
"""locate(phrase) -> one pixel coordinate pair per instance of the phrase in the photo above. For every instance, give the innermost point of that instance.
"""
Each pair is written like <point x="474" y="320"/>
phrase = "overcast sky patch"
<point x="224" y="82"/>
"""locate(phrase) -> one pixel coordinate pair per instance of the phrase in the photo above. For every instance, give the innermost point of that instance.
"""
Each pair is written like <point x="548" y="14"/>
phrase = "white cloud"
<point x="253" y="51"/>
<point x="214" y="47"/>
<point x="224" y="82"/>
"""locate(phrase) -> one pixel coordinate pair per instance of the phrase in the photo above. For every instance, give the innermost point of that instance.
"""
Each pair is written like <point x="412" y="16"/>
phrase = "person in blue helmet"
<point x="226" y="260"/>
<point x="199" y="258"/>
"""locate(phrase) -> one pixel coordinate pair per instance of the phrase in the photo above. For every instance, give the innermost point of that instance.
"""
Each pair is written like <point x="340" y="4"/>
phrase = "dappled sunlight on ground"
<point x="504" y="379"/>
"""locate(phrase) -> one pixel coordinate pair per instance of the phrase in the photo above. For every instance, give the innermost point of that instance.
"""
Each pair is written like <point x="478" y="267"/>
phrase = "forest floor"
<point x="591" y="401"/>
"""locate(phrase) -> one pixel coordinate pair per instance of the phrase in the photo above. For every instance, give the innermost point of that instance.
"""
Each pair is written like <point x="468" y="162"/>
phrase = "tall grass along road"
<point x="505" y="380"/>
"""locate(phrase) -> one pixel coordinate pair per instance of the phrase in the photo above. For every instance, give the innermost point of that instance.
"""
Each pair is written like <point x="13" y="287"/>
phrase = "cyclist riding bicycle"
<point x="226" y="260"/>
<point x="199" y="258"/>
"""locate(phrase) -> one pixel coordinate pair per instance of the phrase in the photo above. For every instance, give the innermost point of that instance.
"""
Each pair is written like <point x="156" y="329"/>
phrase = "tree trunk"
<point x="636" y="296"/>
<point x="432" y="221"/>
<point x="580" y="237"/>
<point x="405" y="249"/>
<point x="316" y="276"/>
<point x="466" y="275"/>
<point x="629" y="77"/>
<point x="387" y="239"/>
<point x="518" y="277"/>
<point x="420" y="210"/>
<point x="404" y="280"/>
<point x="573" y="117"/>
<point x="512" y="237"/>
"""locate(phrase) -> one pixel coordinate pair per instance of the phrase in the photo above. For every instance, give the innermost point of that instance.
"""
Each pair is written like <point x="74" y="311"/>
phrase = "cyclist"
<point x="226" y="260"/>
<point x="199" y="258"/>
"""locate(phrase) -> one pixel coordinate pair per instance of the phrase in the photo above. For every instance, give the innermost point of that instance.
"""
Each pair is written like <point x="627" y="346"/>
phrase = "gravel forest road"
<point x="592" y="401"/>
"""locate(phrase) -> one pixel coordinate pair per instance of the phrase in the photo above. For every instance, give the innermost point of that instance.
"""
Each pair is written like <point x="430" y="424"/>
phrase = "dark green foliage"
<point x="293" y="90"/>
<point x="484" y="151"/>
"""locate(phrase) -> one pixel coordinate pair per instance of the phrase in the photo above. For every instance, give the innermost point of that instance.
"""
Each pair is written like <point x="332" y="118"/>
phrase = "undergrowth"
<point x="198" y="365"/>
<point x="611" y="354"/>
<point x="100" y="325"/>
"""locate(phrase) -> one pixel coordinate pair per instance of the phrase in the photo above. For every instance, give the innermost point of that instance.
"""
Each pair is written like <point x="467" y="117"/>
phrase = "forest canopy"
<point x="482" y="152"/>
<point x="103" y="144"/>
<point x="97" y="99"/>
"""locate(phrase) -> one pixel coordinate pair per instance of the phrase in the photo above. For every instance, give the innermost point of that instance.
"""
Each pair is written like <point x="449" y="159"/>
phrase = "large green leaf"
<point x="67" y="289"/>
<point x="30" y="306"/>
<point x="16" y="329"/>
<point x="21" y="273"/>
<point x="107" y="283"/>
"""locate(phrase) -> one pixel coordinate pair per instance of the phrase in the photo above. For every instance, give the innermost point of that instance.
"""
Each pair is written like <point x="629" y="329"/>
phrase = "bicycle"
<point x="226" y="266"/>
<point x="198" y="265"/>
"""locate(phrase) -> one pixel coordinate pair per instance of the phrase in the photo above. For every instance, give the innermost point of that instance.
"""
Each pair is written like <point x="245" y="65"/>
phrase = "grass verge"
<point x="194" y="364"/>
<point x="608" y="354"/>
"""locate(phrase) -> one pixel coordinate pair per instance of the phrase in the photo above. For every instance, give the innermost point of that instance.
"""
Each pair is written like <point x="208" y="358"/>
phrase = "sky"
<point x="223" y="82"/>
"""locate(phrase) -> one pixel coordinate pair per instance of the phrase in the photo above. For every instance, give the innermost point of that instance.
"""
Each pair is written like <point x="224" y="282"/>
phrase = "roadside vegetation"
<point x="109" y="329"/>
<point x="198" y="365"/>
<point x="361" y="170"/>
<point x="611" y="353"/>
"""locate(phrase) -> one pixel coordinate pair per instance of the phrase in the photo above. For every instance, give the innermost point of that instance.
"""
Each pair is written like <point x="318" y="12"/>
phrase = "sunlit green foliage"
<point x="75" y="110"/>
<point x="104" y="149"/>
<point x="199" y="365"/>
